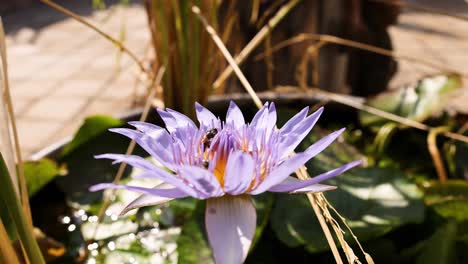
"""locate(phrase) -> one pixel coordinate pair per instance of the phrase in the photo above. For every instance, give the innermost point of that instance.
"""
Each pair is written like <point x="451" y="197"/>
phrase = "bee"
<point x="210" y="134"/>
<point x="206" y="140"/>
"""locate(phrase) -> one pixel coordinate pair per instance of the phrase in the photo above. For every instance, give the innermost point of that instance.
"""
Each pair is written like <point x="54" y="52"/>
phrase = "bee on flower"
<point x="224" y="163"/>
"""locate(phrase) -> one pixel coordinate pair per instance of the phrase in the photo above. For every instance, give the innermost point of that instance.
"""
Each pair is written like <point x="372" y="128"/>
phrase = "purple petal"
<point x="230" y="223"/>
<point x="182" y="120"/>
<point x="265" y="119"/>
<point x="290" y="140"/>
<point x="167" y="193"/>
<point x="286" y="129"/>
<point x="259" y="116"/>
<point x="271" y="116"/>
<point x="175" y="120"/>
<point x="234" y="115"/>
<point x="239" y="173"/>
<point x="202" y="180"/>
<point x="204" y="116"/>
<point x="147" y="128"/>
<point x="169" y="121"/>
<point x="292" y="164"/>
<point x="155" y="132"/>
<point x="155" y="142"/>
<point x="151" y="171"/>
<point x="294" y="185"/>
<point x="148" y="200"/>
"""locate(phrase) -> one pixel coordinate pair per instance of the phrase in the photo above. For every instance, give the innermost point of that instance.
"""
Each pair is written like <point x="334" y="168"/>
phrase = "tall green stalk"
<point x="191" y="58"/>
<point x="15" y="210"/>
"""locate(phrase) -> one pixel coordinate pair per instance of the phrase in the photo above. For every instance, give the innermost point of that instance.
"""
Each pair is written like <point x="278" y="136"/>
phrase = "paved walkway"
<point x="436" y="38"/>
<point x="61" y="71"/>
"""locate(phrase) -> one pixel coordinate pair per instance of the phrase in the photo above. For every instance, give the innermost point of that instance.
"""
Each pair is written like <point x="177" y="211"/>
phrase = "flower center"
<point x="217" y="146"/>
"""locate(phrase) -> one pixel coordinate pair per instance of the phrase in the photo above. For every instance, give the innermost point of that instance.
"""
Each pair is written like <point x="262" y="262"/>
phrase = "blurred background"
<point x="61" y="71"/>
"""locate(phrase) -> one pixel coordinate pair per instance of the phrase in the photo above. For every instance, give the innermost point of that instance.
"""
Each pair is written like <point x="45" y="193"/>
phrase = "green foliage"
<point x="84" y="170"/>
<point x="187" y="51"/>
<point x="91" y="127"/>
<point x="16" y="213"/>
<point x="192" y="245"/>
<point x="178" y="212"/>
<point x="440" y="247"/>
<point x="263" y="204"/>
<point x="449" y="199"/>
<point x="375" y="201"/>
<point x="427" y="97"/>
<point x="39" y="173"/>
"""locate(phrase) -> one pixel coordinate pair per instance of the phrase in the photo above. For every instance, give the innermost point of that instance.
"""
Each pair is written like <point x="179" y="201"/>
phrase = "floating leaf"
<point x="418" y="102"/>
<point x="39" y="173"/>
<point x="440" y="247"/>
<point x="84" y="170"/>
<point x="92" y="127"/>
<point x="448" y="199"/>
<point x="373" y="200"/>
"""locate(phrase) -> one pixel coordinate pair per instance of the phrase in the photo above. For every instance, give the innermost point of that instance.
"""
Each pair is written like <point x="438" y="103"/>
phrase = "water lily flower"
<point x="224" y="163"/>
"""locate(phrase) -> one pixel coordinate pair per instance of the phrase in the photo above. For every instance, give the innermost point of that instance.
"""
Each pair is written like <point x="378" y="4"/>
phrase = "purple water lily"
<point x="224" y="163"/>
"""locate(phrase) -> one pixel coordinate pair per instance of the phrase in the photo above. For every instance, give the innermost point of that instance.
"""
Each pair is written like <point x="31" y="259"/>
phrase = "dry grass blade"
<point x="301" y="73"/>
<point x="362" y="46"/>
<point x="9" y="105"/>
<point x="258" y="103"/>
<point x="325" y="204"/>
<point x="228" y="56"/>
<point x="152" y="92"/>
<point x="346" y="100"/>
<point x="7" y="252"/>
<point x="435" y="153"/>
<point x="269" y="62"/>
<point x="115" y="41"/>
<point x="256" y="40"/>
<point x="303" y="175"/>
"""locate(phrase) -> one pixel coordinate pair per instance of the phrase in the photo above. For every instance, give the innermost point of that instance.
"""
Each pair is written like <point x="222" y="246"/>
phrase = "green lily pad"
<point x="91" y="127"/>
<point x="448" y="199"/>
<point x="418" y="102"/>
<point x="39" y="173"/>
<point x="374" y="201"/>
<point x="440" y="247"/>
<point x="84" y="170"/>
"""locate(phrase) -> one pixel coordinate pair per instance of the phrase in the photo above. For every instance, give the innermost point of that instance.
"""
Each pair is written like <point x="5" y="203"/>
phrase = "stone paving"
<point x="61" y="71"/>
<point x="437" y="38"/>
